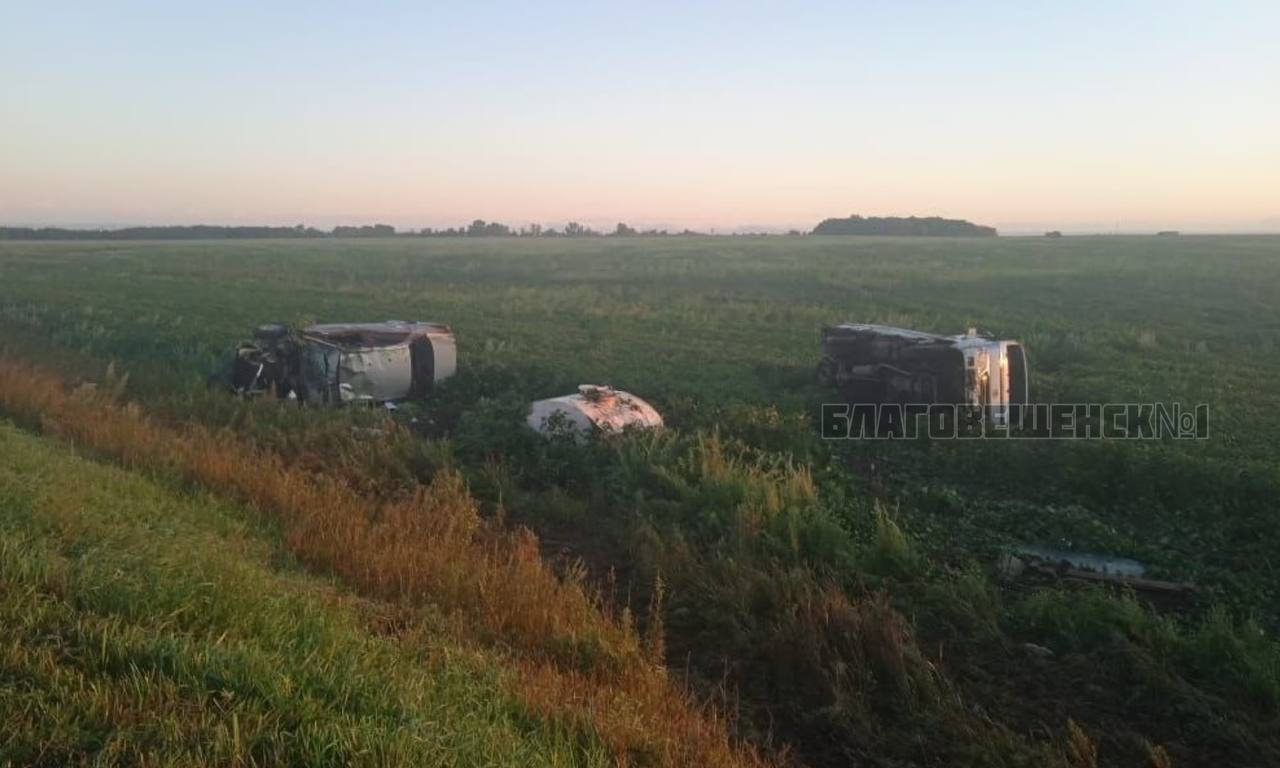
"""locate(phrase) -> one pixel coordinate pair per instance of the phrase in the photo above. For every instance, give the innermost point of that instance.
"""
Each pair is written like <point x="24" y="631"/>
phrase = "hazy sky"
<point x="1024" y="115"/>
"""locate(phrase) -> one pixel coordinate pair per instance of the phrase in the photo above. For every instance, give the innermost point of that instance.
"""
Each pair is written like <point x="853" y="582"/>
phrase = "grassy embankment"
<point x="144" y="625"/>
<point x="427" y="557"/>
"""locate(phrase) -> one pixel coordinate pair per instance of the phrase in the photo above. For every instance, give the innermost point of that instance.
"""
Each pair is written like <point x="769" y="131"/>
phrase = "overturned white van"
<point x="594" y="408"/>
<point x="882" y="364"/>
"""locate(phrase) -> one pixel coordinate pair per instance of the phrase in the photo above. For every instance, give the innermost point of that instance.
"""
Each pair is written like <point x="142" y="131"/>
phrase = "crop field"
<point x="829" y="602"/>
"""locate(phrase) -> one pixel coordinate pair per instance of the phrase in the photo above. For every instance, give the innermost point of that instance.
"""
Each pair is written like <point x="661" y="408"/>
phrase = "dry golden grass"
<point x="1081" y="751"/>
<point x="573" y="662"/>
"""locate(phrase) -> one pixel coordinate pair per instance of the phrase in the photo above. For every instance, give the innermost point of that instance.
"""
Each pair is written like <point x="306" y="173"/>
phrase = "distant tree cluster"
<point x="368" y="230"/>
<point x="911" y="226"/>
<point x="481" y="228"/>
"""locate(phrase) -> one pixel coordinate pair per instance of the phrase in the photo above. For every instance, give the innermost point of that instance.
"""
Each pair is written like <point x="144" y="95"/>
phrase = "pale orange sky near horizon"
<point x="1095" y="118"/>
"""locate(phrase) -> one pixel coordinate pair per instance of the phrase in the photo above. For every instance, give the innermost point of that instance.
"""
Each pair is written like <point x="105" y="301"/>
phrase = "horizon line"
<point x="654" y="231"/>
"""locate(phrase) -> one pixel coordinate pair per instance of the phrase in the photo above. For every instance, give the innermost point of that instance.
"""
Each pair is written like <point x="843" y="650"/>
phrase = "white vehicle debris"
<point x="593" y="408"/>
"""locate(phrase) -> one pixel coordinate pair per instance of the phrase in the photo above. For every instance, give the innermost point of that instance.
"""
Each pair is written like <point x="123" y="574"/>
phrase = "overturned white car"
<point x="594" y="408"/>
<point x="344" y="362"/>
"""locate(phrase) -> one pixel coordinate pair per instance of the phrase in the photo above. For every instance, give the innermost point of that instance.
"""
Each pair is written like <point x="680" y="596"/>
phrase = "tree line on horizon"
<point x="853" y="225"/>
<point x="477" y="228"/>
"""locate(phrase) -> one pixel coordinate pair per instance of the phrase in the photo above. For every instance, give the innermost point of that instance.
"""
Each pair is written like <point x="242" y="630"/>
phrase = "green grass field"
<point x="715" y="318"/>
<point x="140" y="625"/>
<point x="784" y="557"/>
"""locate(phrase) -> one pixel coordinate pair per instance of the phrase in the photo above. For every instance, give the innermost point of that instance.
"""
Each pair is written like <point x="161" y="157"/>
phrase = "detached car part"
<point x="1085" y="567"/>
<point x="594" y="408"/>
